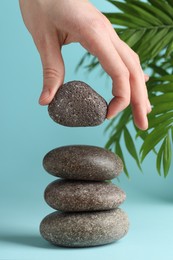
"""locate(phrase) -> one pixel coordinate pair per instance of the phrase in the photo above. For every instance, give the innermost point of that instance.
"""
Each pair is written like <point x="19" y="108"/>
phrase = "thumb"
<point x="53" y="71"/>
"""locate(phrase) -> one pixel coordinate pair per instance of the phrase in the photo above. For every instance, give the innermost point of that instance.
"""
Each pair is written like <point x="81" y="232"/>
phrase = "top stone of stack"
<point x="83" y="162"/>
<point x="77" y="104"/>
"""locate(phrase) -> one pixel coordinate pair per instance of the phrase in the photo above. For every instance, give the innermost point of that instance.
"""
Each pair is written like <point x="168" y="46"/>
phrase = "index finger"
<point x="98" y="43"/>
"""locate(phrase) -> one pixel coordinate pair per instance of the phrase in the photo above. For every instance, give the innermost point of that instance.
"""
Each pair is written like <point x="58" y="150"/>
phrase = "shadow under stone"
<point x="38" y="242"/>
<point x="27" y="240"/>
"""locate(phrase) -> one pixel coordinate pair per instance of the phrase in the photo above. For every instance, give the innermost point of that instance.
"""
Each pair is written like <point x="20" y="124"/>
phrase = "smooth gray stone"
<point x="84" y="229"/>
<point x="73" y="196"/>
<point x="82" y="162"/>
<point x="77" y="104"/>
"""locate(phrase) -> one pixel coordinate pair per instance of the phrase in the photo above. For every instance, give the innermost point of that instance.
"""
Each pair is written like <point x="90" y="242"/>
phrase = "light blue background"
<point x="27" y="134"/>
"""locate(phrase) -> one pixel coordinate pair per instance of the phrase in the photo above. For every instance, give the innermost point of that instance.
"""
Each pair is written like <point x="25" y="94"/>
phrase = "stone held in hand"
<point x="77" y="104"/>
<point x="71" y="196"/>
<point x="83" y="162"/>
<point x="83" y="229"/>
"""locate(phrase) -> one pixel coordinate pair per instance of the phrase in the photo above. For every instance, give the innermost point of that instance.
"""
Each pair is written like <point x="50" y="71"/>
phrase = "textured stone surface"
<point x="77" y="104"/>
<point x="85" y="228"/>
<point x="83" y="162"/>
<point x="83" y="195"/>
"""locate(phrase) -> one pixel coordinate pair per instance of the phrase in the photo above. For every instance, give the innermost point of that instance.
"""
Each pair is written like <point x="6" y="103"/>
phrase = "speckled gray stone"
<point x="82" y="162"/>
<point x="83" y="195"/>
<point x="77" y="104"/>
<point x="85" y="228"/>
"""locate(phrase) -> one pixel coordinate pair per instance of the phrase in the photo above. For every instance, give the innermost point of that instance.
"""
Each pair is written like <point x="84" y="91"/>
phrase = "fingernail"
<point x="146" y="77"/>
<point x="110" y="117"/>
<point x="44" y="95"/>
<point x="149" y="109"/>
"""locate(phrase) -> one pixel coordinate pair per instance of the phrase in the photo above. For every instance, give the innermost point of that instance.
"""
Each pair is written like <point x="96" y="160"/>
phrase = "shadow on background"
<point x="38" y="242"/>
<point x="27" y="240"/>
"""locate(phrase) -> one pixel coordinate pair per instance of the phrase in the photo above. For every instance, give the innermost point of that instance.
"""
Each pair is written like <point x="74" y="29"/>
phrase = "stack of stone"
<point x="89" y="205"/>
<point x="86" y="204"/>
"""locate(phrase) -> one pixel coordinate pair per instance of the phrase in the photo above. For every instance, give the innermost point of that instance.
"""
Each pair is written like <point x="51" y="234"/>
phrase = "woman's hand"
<point x="53" y="23"/>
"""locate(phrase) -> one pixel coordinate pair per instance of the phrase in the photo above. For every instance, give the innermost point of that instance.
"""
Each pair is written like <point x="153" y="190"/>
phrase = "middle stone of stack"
<point x="73" y="196"/>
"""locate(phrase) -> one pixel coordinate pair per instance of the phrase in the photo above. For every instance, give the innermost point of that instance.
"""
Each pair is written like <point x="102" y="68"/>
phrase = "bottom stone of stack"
<point x="84" y="229"/>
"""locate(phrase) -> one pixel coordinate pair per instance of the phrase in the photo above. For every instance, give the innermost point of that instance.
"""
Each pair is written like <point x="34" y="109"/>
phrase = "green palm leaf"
<point x="137" y="11"/>
<point x="131" y="146"/>
<point x="162" y="9"/>
<point x="169" y="49"/>
<point x="169" y="2"/>
<point x="126" y="20"/>
<point x="152" y="140"/>
<point x="156" y="121"/>
<point x="160" y="99"/>
<point x="167" y="155"/>
<point x="160" y="158"/>
<point x="164" y="88"/>
<point x="161" y="108"/>
<point x="118" y="151"/>
<point x="151" y="22"/>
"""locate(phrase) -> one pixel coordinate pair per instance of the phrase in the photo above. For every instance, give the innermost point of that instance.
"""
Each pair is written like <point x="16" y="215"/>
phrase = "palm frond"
<point x="160" y="122"/>
<point x="146" y="27"/>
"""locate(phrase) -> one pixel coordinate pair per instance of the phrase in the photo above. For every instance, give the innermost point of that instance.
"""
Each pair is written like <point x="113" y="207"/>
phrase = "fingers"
<point x="123" y="65"/>
<point x="139" y="96"/>
<point x="99" y="44"/>
<point x="114" y="66"/>
<point x="146" y="77"/>
<point x="47" y="20"/>
<point x="53" y="69"/>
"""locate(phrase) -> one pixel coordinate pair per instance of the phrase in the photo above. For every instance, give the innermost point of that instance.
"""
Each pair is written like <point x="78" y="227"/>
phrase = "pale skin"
<point x="54" y="23"/>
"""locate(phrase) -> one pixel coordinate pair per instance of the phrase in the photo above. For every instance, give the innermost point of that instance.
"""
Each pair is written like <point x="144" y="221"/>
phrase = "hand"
<point x="53" y="23"/>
